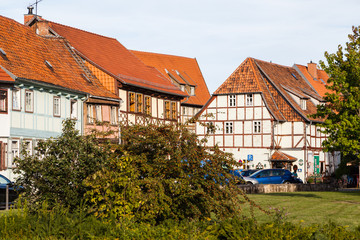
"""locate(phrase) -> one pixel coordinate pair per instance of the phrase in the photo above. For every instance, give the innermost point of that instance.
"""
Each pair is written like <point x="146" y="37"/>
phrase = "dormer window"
<point x="48" y="64"/>
<point x="182" y="87"/>
<point x="192" y="91"/>
<point x="303" y="104"/>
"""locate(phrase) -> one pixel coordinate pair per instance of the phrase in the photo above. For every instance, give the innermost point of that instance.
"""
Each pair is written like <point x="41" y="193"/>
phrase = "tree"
<point x="166" y="173"/>
<point x="342" y="108"/>
<point x="55" y="172"/>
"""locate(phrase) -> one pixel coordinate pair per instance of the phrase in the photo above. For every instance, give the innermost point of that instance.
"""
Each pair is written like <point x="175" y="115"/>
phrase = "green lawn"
<point x="311" y="207"/>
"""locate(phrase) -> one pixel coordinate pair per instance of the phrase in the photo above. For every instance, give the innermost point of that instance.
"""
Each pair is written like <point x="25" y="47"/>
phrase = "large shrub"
<point x="166" y="174"/>
<point x="56" y="170"/>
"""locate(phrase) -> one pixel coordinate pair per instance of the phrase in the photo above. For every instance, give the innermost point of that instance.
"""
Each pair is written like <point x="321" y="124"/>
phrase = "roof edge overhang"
<point x="106" y="98"/>
<point x="281" y="93"/>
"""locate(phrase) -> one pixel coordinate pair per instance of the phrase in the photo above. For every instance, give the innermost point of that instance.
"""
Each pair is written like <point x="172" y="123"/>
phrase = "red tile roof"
<point x="27" y="53"/>
<point x="280" y="156"/>
<point x="4" y="77"/>
<point x="112" y="57"/>
<point x="184" y="70"/>
<point x="276" y="83"/>
<point x="318" y="83"/>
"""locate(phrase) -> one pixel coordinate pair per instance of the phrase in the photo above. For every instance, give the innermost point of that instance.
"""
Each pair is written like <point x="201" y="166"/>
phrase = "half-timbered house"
<point x="186" y="74"/>
<point x="262" y="115"/>
<point x="145" y="92"/>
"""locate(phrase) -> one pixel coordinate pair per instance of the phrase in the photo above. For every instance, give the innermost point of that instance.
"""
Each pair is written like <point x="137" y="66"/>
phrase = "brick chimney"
<point x="29" y="16"/>
<point x="312" y="69"/>
<point x="42" y="28"/>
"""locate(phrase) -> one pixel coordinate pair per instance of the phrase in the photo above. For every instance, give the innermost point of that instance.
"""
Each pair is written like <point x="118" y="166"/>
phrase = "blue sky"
<point x="220" y="34"/>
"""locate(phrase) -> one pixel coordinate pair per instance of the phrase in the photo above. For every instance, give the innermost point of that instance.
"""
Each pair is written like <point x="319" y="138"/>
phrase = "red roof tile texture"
<point x="112" y="57"/>
<point x="27" y="53"/>
<point x="277" y="84"/>
<point x="318" y="82"/>
<point x="184" y="70"/>
<point x="4" y="77"/>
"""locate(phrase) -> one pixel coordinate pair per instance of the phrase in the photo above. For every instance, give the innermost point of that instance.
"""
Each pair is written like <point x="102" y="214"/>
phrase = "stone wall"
<point x="272" y="188"/>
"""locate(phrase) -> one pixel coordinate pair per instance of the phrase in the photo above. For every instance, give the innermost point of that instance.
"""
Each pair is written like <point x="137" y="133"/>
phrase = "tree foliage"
<point x="56" y="170"/>
<point x="166" y="174"/>
<point x="342" y="108"/>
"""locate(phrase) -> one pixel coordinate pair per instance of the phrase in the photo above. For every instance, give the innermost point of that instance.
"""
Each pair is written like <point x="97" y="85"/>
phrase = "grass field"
<point x="311" y="207"/>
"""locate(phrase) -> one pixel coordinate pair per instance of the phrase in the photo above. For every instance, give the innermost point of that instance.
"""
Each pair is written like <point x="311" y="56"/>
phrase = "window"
<point x="192" y="91"/>
<point x="232" y="101"/>
<point x="98" y="113"/>
<point x="148" y="105"/>
<point x="132" y="102"/>
<point x="73" y="109"/>
<point x="113" y="116"/>
<point x="14" y="152"/>
<point x="3" y="100"/>
<point x="139" y="103"/>
<point x="210" y="128"/>
<point x="257" y="127"/>
<point x="228" y="127"/>
<point x="16" y="99"/>
<point x="28" y="146"/>
<point x="184" y="110"/>
<point x="182" y="87"/>
<point x="29" y="101"/>
<point x="173" y="110"/>
<point x="90" y="114"/>
<point x="303" y="104"/>
<point x="249" y="99"/>
<point x="167" y="109"/>
<point x="57" y="105"/>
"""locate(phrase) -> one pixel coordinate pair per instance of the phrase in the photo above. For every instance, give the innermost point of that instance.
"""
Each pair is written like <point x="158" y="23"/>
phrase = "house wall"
<point x="27" y="126"/>
<point x="245" y="139"/>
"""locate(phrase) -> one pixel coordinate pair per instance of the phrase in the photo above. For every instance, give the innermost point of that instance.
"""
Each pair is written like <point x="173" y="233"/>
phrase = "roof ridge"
<point x="96" y="34"/>
<point x="280" y="65"/>
<point x="170" y="55"/>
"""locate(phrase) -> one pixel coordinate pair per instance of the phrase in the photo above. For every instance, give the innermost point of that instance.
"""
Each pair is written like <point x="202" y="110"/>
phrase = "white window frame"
<point x="16" y="99"/>
<point x="90" y="114"/>
<point x="29" y="101"/>
<point x="113" y="117"/>
<point x="249" y="99"/>
<point x="232" y="100"/>
<point x="192" y="91"/>
<point x="57" y="106"/>
<point x="98" y="113"/>
<point x="257" y="126"/>
<point x="73" y="109"/>
<point x="15" y="152"/>
<point x="3" y="100"/>
<point x="229" y="128"/>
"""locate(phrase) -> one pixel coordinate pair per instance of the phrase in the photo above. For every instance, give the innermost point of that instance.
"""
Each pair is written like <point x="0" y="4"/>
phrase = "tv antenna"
<point x="36" y="6"/>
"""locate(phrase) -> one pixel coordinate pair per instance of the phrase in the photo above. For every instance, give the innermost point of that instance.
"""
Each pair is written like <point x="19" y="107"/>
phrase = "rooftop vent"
<point x="2" y="52"/>
<point x="322" y="81"/>
<point x="47" y="63"/>
<point x="30" y="10"/>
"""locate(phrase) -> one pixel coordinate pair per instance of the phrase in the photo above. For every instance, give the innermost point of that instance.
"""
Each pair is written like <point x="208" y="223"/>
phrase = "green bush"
<point x="55" y="172"/>
<point x="163" y="172"/>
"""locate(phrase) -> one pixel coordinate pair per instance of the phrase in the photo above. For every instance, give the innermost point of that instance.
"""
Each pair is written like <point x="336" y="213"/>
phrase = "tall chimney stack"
<point x="312" y="69"/>
<point x="29" y="16"/>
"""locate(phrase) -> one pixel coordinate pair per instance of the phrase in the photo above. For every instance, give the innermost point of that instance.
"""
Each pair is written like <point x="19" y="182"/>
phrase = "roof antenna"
<point x="36" y="6"/>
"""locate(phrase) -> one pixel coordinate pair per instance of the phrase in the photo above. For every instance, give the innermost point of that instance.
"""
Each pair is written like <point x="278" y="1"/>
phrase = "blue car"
<point x="272" y="176"/>
<point x="13" y="193"/>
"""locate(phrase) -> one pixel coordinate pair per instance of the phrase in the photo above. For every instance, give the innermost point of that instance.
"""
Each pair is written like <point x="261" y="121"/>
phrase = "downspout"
<point x="120" y="102"/>
<point x="306" y="158"/>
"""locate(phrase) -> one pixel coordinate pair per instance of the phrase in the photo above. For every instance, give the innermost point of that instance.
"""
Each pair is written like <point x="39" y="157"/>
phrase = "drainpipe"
<point x="306" y="153"/>
<point x="120" y="102"/>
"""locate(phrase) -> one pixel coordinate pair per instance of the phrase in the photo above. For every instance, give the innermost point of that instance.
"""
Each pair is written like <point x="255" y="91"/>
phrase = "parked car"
<point x="248" y="172"/>
<point x="272" y="176"/>
<point x="13" y="191"/>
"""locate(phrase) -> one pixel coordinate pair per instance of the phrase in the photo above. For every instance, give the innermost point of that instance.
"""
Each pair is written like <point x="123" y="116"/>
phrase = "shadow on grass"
<point x="297" y="194"/>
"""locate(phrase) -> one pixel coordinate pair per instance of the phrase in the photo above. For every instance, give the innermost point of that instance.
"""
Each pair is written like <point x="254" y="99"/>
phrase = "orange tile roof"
<point x="4" y="77"/>
<point x="184" y="70"/>
<point x="317" y="84"/>
<point x="280" y="156"/>
<point x="27" y="53"/>
<point x="276" y="83"/>
<point x="112" y="57"/>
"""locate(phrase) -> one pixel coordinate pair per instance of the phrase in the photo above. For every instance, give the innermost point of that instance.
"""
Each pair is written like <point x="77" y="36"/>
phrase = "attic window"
<point x="294" y="76"/>
<point x="303" y="104"/>
<point x="47" y="63"/>
<point x="2" y="52"/>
